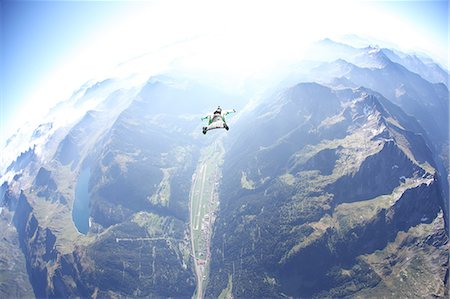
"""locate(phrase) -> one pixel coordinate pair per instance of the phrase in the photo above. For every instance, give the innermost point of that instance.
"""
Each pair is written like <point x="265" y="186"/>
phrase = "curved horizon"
<point x="62" y="45"/>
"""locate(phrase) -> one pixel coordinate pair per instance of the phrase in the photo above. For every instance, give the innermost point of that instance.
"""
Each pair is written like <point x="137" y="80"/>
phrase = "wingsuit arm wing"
<point x="206" y="116"/>
<point x="226" y="112"/>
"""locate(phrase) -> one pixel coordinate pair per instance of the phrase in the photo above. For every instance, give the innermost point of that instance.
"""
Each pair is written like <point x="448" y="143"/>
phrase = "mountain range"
<point x="334" y="183"/>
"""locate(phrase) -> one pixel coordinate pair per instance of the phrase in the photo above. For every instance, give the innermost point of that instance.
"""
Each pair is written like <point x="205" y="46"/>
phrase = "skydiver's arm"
<point x="206" y="116"/>
<point x="226" y="112"/>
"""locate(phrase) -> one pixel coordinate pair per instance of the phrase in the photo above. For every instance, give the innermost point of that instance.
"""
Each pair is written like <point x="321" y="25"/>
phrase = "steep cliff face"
<point x="38" y="245"/>
<point x="14" y="280"/>
<point x="349" y="178"/>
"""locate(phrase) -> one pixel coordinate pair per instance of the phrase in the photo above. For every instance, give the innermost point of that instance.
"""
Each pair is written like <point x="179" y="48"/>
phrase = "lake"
<point x="81" y="210"/>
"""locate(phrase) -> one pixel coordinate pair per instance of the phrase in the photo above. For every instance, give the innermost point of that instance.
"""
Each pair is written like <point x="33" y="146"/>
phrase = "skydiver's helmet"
<point x="218" y="110"/>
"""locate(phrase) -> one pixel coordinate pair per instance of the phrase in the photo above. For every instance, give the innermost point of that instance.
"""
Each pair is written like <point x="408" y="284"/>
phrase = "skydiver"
<point x="216" y="120"/>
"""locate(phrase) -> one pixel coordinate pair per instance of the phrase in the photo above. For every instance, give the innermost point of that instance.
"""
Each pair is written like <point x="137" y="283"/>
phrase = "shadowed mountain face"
<point x="311" y="206"/>
<point x="329" y="189"/>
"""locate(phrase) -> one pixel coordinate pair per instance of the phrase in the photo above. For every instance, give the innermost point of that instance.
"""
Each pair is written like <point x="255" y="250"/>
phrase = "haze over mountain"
<point x="333" y="182"/>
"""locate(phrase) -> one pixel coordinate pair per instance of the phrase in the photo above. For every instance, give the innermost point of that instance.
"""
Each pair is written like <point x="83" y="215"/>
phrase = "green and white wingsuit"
<point x="216" y="120"/>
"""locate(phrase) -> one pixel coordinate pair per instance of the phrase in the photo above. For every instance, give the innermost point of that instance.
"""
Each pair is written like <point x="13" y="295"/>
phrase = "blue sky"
<point x="429" y="17"/>
<point x="37" y="37"/>
<point x="49" y="48"/>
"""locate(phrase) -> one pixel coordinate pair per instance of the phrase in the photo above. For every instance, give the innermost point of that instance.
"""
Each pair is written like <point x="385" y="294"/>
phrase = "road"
<point x="145" y="239"/>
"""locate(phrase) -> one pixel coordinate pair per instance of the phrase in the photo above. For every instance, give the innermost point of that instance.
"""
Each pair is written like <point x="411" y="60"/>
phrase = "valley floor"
<point x="203" y="204"/>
